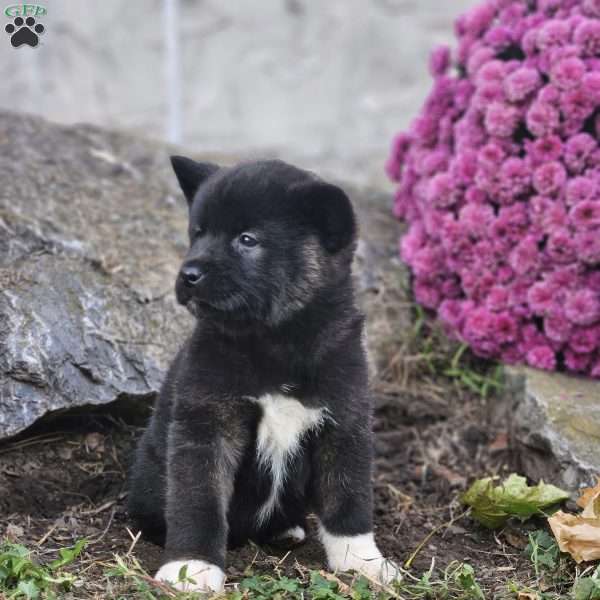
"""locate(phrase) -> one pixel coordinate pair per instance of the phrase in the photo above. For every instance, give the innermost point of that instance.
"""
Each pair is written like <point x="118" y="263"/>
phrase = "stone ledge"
<point x="555" y="426"/>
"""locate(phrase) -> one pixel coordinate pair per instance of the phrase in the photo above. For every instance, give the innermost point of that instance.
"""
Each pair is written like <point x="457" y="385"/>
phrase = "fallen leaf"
<point x="528" y="596"/>
<point x="515" y="539"/>
<point x="494" y="504"/>
<point x="588" y="495"/>
<point x="454" y="479"/>
<point x="14" y="532"/>
<point x="577" y="535"/>
<point x="94" y="442"/>
<point x="500" y="442"/>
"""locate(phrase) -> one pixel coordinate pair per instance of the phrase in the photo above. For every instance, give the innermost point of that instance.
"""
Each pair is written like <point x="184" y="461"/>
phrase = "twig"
<point x="134" y="540"/>
<point x="435" y="530"/>
<point x="41" y="439"/>
<point x="46" y="535"/>
<point x="100" y="509"/>
<point x="110" y="520"/>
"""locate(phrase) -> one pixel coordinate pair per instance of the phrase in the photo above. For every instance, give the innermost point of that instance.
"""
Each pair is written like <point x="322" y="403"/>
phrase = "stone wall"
<point x="326" y="83"/>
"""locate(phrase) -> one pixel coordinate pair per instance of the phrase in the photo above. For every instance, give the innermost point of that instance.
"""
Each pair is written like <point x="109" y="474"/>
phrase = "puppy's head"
<point x="265" y="238"/>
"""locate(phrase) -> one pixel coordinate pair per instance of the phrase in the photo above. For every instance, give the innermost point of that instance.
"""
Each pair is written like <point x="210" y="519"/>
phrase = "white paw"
<point x="294" y="535"/>
<point x="201" y="576"/>
<point x="358" y="553"/>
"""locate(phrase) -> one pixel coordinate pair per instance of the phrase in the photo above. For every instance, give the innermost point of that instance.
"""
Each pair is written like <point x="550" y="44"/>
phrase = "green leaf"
<point x="493" y="505"/>
<point x="68" y="555"/>
<point x="587" y="588"/>
<point x="465" y="578"/>
<point x="29" y="588"/>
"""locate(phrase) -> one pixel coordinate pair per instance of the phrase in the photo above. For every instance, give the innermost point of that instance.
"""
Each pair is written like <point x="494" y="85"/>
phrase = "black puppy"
<point x="265" y="413"/>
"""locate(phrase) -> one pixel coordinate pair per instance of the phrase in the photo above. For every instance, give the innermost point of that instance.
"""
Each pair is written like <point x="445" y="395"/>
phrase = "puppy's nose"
<point x="192" y="274"/>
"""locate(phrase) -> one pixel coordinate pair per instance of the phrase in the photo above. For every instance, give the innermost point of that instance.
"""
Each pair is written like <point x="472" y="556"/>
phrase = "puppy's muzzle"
<point x="192" y="274"/>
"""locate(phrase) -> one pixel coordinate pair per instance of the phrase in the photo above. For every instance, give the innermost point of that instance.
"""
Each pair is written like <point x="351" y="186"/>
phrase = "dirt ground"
<point x="64" y="481"/>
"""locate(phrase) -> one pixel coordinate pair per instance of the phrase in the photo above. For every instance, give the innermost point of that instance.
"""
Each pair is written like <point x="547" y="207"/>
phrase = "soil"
<point x="66" y="480"/>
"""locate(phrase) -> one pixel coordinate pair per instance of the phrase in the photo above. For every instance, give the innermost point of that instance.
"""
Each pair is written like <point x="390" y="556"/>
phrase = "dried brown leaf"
<point x="577" y="535"/>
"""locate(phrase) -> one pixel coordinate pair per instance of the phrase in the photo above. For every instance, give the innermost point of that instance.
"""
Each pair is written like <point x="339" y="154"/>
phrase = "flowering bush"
<point x="499" y="181"/>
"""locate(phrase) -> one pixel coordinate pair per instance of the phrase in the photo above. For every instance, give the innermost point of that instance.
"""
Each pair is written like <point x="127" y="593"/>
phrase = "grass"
<point x="424" y="355"/>
<point x="22" y="577"/>
<point x="555" y="577"/>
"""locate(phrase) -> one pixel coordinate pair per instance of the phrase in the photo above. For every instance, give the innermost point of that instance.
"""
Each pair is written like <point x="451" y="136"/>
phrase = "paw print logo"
<point x="24" y="32"/>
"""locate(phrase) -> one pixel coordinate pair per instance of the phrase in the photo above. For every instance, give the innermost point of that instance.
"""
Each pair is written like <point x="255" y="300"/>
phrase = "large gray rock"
<point x="555" y="426"/>
<point x="92" y="230"/>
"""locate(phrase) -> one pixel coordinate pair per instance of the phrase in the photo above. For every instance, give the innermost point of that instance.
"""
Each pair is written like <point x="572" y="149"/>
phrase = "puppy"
<point x="265" y="413"/>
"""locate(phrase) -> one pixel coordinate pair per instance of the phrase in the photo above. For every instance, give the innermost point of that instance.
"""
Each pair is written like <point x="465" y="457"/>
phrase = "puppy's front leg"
<point x="200" y="473"/>
<point x="343" y="501"/>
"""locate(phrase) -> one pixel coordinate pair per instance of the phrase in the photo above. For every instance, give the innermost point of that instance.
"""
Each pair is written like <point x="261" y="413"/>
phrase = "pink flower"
<point x="587" y="245"/>
<point x="541" y="297"/>
<point x="544" y="149"/>
<point x="592" y="281"/>
<point x="451" y="313"/>
<point x="549" y="94"/>
<point x="563" y="278"/>
<point x="585" y="215"/>
<point x="499" y="38"/>
<point x="567" y="73"/>
<point x="590" y="86"/>
<point x="412" y="242"/>
<point x="400" y="146"/>
<point x="552" y="33"/>
<point x="579" y="189"/>
<point x="542" y="357"/>
<point x="479" y="324"/>
<point x="512" y="355"/>
<point x="501" y="119"/>
<point x="433" y="162"/>
<point x="439" y="61"/>
<point x="587" y="37"/>
<point x="486" y="94"/>
<point x="591" y="8"/>
<point x="525" y="258"/>
<point x="578" y="149"/>
<point x="475" y="219"/>
<point x="464" y="167"/>
<point x="427" y="295"/>
<point x="549" y="178"/>
<point x="427" y="262"/>
<point x="582" y="307"/>
<point x="520" y="83"/>
<point x="498" y="180"/>
<point x="556" y="326"/>
<point x="490" y="156"/>
<point x="542" y="119"/>
<point x="515" y="179"/>
<point x="442" y="191"/>
<point x="575" y="106"/>
<point x="505" y="328"/>
<point x="560" y="247"/>
<point x="576" y="362"/>
<point x="497" y="298"/>
<point x="584" y="339"/>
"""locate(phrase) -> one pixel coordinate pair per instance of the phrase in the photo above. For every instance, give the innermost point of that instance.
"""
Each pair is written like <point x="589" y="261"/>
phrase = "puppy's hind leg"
<point x="145" y="501"/>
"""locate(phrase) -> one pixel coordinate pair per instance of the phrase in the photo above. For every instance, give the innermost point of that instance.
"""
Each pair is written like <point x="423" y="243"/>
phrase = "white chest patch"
<point x="283" y="423"/>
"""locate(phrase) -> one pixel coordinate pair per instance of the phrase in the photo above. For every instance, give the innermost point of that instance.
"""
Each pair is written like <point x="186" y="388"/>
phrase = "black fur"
<point x="281" y="313"/>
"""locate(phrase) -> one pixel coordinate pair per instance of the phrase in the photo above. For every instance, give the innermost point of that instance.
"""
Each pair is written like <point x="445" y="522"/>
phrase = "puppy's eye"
<point x="198" y="230"/>
<point x="248" y="240"/>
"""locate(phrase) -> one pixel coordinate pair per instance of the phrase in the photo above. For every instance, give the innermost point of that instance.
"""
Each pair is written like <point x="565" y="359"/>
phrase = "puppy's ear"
<point x="191" y="174"/>
<point x="329" y="211"/>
